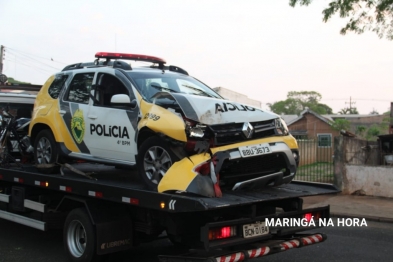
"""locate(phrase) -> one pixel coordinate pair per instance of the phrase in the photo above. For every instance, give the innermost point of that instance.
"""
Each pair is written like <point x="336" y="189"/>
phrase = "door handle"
<point x="92" y="117"/>
<point x="62" y="112"/>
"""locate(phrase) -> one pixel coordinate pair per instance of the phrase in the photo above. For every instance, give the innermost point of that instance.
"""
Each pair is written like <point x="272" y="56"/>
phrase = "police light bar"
<point x="144" y="58"/>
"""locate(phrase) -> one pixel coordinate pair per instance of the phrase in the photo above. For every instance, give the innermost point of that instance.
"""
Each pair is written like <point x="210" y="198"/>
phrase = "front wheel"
<point x="155" y="157"/>
<point x="79" y="237"/>
<point x="46" y="153"/>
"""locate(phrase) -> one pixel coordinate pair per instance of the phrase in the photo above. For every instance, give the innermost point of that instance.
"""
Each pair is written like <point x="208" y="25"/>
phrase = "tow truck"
<point x="107" y="210"/>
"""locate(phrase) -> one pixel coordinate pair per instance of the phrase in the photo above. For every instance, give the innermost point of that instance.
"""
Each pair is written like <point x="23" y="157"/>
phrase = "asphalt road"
<point x="371" y="243"/>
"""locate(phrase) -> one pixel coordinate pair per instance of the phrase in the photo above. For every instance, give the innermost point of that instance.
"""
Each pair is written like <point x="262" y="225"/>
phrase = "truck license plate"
<point x="255" y="150"/>
<point x="255" y="229"/>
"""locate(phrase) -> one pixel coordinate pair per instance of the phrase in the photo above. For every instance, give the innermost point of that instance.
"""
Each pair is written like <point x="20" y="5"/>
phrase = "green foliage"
<point x="13" y="81"/>
<point x="362" y="15"/>
<point x="297" y="101"/>
<point x="360" y="130"/>
<point x="373" y="132"/>
<point x="341" y="124"/>
<point x="349" y="111"/>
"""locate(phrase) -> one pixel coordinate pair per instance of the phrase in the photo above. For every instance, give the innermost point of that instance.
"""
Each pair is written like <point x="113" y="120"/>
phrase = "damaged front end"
<point x="226" y="149"/>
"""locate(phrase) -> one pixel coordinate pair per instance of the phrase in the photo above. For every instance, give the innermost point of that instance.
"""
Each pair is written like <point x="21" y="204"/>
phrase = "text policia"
<point x="321" y="222"/>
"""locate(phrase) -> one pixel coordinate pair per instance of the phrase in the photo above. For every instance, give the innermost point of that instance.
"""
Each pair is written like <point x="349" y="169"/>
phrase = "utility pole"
<point x="350" y="104"/>
<point x="1" y="59"/>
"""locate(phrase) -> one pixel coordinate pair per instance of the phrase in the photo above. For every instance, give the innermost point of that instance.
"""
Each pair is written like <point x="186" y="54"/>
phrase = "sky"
<point x="263" y="49"/>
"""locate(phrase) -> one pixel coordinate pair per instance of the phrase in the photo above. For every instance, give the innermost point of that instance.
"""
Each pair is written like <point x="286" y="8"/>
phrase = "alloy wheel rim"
<point x="44" y="151"/>
<point x="157" y="161"/>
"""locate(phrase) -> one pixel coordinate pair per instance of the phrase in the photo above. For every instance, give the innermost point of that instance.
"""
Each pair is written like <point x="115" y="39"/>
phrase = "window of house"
<point x="79" y="90"/>
<point x="324" y="140"/>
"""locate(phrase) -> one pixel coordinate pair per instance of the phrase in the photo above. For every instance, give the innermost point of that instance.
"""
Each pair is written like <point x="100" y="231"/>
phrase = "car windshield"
<point x="150" y="83"/>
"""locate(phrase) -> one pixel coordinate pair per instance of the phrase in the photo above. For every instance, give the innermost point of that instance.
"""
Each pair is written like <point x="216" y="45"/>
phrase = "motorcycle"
<point x="15" y="144"/>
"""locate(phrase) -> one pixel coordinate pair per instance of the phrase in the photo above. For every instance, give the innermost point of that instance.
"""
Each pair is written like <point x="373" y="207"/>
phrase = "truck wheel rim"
<point x="44" y="151"/>
<point x="76" y="238"/>
<point x="157" y="161"/>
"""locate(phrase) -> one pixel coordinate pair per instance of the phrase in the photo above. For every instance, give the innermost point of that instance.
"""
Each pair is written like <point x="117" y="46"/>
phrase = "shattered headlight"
<point x="194" y="129"/>
<point x="281" y="127"/>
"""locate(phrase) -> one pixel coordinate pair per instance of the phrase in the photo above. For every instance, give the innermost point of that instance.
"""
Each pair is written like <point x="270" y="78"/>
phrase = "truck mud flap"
<point x="249" y="252"/>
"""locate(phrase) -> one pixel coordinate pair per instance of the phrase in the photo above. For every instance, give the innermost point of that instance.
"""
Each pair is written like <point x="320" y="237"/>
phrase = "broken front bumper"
<point x="228" y="164"/>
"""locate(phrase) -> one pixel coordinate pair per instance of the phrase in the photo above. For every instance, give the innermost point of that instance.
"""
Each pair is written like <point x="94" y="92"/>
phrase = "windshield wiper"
<point x="165" y="88"/>
<point x="201" y="92"/>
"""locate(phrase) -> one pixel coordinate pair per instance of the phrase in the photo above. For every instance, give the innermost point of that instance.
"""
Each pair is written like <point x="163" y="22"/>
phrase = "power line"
<point x="23" y="57"/>
<point x="27" y="54"/>
<point x="31" y="67"/>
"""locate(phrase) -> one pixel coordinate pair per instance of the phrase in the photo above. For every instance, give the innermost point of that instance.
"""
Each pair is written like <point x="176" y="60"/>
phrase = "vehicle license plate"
<point x="255" y="150"/>
<point x="255" y="229"/>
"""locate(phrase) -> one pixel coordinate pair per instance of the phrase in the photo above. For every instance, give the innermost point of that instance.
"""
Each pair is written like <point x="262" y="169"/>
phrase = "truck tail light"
<point x="313" y="215"/>
<point x="222" y="232"/>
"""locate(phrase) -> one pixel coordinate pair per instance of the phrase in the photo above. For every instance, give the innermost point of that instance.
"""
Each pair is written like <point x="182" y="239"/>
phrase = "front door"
<point x="111" y="128"/>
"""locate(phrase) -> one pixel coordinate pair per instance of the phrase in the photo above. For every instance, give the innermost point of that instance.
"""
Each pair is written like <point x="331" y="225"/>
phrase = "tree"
<point x="364" y="15"/>
<point x="341" y="124"/>
<point x="297" y="101"/>
<point x="349" y="111"/>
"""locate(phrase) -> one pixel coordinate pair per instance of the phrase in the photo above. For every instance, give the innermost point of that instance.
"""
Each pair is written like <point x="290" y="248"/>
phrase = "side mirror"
<point x="123" y="100"/>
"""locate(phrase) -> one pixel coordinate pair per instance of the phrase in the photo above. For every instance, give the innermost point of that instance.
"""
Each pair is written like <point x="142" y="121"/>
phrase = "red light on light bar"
<point x="136" y="57"/>
<point x="308" y="216"/>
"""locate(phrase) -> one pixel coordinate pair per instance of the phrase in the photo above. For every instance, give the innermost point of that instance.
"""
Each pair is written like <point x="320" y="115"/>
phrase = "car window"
<point x="57" y="85"/>
<point x="108" y="86"/>
<point x="79" y="89"/>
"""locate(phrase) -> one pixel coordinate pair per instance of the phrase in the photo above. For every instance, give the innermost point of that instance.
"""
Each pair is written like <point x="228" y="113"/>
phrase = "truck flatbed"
<point x="122" y="185"/>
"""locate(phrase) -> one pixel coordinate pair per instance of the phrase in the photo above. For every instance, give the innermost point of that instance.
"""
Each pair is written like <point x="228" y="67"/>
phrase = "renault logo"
<point x="248" y="130"/>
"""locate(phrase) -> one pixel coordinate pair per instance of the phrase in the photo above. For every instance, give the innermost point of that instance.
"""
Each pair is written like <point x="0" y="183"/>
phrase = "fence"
<point x="316" y="162"/>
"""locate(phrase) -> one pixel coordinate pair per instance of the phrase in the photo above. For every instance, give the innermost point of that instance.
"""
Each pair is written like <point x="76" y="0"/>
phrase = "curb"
<point x="369" y="218"/>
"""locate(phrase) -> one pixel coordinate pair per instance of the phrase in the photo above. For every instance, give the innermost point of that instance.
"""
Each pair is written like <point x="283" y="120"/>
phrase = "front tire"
<point x="46" y="152"/>
<point x="79" y="237"/>
<point x="155" y="157"/>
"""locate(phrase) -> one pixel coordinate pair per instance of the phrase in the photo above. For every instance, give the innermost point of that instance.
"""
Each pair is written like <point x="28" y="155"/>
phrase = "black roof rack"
<point x="114" y="64"/>
<point x="171" y="68"/>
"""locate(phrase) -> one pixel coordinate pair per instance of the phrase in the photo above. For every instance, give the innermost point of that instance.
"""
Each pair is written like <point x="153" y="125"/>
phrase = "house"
<point x="310" y="125"/>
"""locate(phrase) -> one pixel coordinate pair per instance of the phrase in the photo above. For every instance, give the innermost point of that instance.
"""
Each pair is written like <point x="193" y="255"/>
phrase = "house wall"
<point x="313" y="125"/>
<point x="311" y="152"/>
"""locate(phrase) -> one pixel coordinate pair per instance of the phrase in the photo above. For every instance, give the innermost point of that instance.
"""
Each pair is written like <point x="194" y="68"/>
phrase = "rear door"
<point x="74" y="106"/>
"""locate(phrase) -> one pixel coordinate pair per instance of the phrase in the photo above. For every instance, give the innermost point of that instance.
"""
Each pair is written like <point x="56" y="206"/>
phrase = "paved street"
<point x="372" y="243"/>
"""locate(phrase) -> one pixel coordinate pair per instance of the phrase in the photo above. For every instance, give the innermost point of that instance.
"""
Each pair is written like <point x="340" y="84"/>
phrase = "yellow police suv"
<point x="183" y="136"/>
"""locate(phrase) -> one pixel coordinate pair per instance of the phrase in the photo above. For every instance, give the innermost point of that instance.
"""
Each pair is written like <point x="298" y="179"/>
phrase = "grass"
<point x="316" y="172"/>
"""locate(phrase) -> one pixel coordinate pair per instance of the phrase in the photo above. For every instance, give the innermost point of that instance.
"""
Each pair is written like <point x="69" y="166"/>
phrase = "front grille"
<point x="233" y="171"/>
<point x="232" y="132"/>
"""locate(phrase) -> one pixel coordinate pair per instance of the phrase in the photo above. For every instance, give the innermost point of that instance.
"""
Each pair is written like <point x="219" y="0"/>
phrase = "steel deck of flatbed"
<point x="122" y="186"/>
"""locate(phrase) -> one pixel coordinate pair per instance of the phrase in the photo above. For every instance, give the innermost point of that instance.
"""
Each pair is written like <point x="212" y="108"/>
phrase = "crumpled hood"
<point x="208" y="110"/>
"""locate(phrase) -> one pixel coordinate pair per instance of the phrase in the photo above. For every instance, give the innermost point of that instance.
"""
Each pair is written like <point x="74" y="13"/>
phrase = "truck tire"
<point x="46" y="152"/>
<point x="79" y="237"/>
<point x="155" y="157"/>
